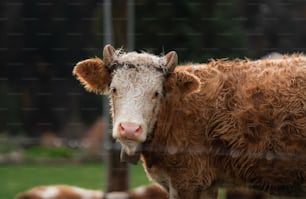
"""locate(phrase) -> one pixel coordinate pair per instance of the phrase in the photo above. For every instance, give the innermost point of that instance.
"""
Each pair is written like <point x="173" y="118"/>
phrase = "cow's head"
<point x="137" y="84"/>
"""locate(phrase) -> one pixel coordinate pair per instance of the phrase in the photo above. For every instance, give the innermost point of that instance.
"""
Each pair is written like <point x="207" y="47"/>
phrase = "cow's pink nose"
<point x="129" y="130"/>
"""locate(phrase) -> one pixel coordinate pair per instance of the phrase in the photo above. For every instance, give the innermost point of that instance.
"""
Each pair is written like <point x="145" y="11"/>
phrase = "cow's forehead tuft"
<point x="127" y="73"/>
<point x="137" y="59"/>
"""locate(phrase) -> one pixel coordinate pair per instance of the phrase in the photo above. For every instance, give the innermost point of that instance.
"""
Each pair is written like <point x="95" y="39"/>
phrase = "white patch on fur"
<point x="87" y="194"/>
<point x="140" y="190"/>
<point x="172" y="150"/>
<point x="49" y="192"/>
<point x="173" y="194"/>
<point x="117" y="195"/>
<point x="134" y="98"/>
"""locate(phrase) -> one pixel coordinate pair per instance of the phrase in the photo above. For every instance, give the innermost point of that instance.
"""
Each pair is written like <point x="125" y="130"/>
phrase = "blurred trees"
<point x="40" y="42"/>
<point x="197" y="30"/>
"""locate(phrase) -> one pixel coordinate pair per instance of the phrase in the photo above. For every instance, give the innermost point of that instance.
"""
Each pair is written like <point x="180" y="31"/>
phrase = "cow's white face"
<point x="135" y="100"/>
<point x="136" y="83"/>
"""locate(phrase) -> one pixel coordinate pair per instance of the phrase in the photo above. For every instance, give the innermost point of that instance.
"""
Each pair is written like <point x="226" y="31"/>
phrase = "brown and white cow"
<point x="152" y="191"/>
<point x="202" y="126"/>
<point x="60" y="192"/>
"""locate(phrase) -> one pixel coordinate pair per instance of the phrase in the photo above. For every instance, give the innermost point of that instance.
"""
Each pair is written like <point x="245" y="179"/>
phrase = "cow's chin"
<point x="130" y="151"/>
<point x="130" y="146"/>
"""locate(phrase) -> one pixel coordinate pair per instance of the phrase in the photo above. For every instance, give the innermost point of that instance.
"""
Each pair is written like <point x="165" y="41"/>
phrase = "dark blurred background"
<point x="41" y="41"/>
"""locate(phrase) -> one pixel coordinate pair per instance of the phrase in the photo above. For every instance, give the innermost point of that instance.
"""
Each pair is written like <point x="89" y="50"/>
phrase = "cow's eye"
<point x="156" y="94"/>
<point x="113" y="90"/>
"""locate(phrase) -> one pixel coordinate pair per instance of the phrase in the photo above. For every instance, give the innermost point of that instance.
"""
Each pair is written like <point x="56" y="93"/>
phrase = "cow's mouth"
<point x="131" y="149"/>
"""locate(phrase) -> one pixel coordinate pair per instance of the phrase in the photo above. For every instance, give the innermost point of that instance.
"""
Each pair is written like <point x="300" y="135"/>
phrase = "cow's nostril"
<point x="138" y="130"/>
<point x="121" y="128"/>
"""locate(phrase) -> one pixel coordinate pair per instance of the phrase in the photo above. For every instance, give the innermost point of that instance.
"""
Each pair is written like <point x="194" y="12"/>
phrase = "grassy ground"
<point x="17" y="178"/>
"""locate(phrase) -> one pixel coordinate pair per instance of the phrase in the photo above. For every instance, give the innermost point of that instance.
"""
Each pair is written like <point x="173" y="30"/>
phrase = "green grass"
<point x="17" y="178"/>
<point x="49" y="152"/>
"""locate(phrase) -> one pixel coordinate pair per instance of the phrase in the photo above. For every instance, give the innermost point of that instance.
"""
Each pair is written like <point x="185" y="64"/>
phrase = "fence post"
<point x="115" y="18"/>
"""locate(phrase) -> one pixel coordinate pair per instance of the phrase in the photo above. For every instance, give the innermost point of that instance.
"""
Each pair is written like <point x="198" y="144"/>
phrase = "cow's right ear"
<point x="94" y="75"/>
<point x="182" y="82"/>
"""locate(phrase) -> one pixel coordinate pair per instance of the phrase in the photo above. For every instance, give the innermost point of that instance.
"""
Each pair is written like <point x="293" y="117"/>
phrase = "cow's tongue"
<point x="133" y="159"/>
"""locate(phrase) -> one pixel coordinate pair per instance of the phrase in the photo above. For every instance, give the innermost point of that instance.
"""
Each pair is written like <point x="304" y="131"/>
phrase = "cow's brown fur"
<point x="246" y="126"/>
<point x="241" y="194"/>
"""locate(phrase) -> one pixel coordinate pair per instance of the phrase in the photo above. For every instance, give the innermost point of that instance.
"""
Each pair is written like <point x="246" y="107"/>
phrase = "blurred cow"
<point x="60" y="192"/>
<point x="72" y="192"/>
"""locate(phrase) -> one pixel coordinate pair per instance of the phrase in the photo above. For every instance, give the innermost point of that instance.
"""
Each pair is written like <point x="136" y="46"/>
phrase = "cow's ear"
<point x="171" y="60"/>
<point x="182" y="82"/>
<point x="108" y="54"/>
<point x="93" y="74"/>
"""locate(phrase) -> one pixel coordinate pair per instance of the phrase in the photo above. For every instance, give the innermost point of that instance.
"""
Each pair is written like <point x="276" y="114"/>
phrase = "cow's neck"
<point x="166" y="135"/>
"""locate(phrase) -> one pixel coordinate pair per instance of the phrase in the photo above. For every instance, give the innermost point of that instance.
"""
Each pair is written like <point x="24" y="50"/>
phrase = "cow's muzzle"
<point x="129" y="131"/>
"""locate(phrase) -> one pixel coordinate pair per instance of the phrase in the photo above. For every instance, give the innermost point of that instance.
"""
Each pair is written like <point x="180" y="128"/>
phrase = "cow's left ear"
<point x="182" y="82"/>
